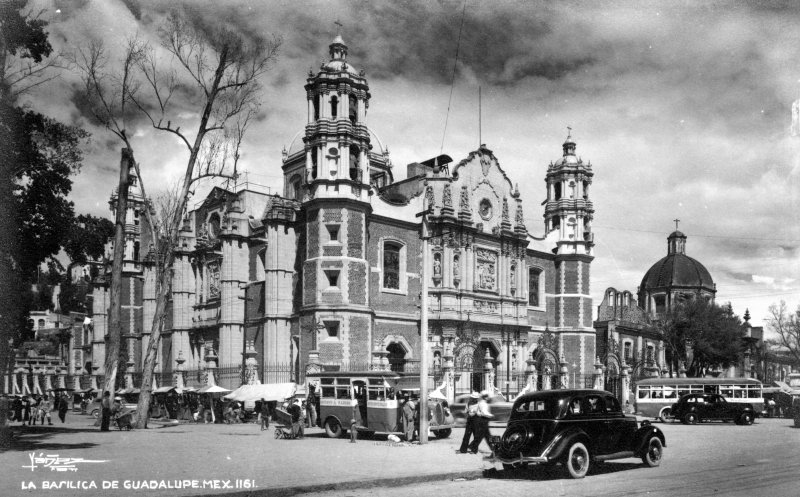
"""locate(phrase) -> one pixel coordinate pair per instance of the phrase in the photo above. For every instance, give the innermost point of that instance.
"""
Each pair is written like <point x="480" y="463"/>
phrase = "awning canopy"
<point x="269" y="392"/>
<point x="213" y="389"/>
<point x="164" y="389"/>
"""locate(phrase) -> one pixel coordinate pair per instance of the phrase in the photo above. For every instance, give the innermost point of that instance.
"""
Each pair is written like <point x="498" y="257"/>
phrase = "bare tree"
<point x="109" y="97"/>
<point x="224" y="70"/>
<point x="786" y="325"/>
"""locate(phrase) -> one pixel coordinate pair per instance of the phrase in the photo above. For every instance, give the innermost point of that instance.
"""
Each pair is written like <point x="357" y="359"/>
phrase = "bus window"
<point x="657" y="393"/>
<point x="684" y="391"/>
<point x="738" y="393"/>
<point x="376" y="393"/>
<point x="669" y="393"/>
<point x="328" y="390"/>
<point x="753" y="392"/>
<point x="390" y="393"/>
<point x="343" y="388"/>
<point x="644" y="392"/>
<point x="726" y="392"/>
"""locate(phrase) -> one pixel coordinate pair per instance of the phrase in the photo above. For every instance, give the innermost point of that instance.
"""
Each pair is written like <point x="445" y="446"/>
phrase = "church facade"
<point x="329" y="275"/>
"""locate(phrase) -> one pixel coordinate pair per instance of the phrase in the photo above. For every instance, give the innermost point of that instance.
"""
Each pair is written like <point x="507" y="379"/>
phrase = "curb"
<point x="353" y="485"/>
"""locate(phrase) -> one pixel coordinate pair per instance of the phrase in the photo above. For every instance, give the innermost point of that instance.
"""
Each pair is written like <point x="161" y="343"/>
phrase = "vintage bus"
<point x="655" y="396"/>
<point x="375" y="400"/>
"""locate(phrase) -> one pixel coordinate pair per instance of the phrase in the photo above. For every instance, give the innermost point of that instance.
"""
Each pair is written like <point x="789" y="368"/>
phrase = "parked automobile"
<point x="698" y="407"/>
<point x="500" y="407"/>
<point x="95" y="407"/>
<point x="574" y="428"/>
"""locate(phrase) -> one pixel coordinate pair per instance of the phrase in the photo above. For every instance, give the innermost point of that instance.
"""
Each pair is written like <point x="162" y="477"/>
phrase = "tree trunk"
<point x="151" y="355"/>
<point x="115" y="304"/>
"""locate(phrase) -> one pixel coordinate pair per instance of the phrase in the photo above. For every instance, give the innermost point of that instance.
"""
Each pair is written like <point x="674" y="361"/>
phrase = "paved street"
<point x="715" y="459"/>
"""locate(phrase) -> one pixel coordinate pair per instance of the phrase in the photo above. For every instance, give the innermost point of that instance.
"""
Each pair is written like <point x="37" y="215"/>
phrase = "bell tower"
<point x="337" y="141"/>
<point x="568" y="223"/>
<point x="335" y="318"/>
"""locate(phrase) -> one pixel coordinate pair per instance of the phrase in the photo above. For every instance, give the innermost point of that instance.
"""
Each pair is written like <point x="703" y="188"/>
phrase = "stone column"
<point x="448" y="367"/>
<point x="48" y="379"/>
<point x="564" y="372"/>
<point x="180" y="371"/>
<point x="251" y="365"/>
<point x="95" y="370"/>
<point x="626" y="382"/>
<point x="62" y="378"/>
<point x="211" y="364"/>
<point x="37" y="388"/>
<point x="598" y="374"/>
<point x="530" y="373"/>
<point x="488" y="372"/>
<point x="76" y="382"/>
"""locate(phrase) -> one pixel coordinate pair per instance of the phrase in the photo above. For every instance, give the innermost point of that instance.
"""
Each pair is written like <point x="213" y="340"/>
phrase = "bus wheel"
<point x="666" y="415"/>
<point x="443" y="433"/>
<point x="333" y="429"/>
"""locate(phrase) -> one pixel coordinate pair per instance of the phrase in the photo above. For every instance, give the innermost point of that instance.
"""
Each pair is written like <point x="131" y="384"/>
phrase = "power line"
<point x="701" y="236"/>
<point x="453" y="79"/>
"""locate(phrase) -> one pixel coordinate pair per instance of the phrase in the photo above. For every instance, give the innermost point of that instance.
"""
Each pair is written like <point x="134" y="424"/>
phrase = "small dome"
<point x="340" y="66"/>
<point x="677" y="270"/>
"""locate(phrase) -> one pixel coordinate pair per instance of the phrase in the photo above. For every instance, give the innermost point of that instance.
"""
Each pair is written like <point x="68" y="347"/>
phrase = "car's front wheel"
<point x="577" y="461"/>
<point x="746" y="418"/>
<point x="690" y="418"/>
<point x="653" y="453"/>
<point x="96" y="413"/>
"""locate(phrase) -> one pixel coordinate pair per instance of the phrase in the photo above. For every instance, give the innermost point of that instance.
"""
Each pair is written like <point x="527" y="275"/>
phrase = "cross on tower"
<point x="339" y="27"/>
<point x="569" y="132"/>
<point x="676" y="223"/>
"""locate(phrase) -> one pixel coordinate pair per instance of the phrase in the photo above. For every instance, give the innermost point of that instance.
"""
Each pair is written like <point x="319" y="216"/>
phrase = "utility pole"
<point x="423" y="326"/>
<point x="115" y="297"/>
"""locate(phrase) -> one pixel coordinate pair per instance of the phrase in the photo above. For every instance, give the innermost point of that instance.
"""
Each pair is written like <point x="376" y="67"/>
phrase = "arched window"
<point x="628" y="352"/>
<point x="316" y="107"/>
<point x="135" y="251"/>
<point x="557" y="191"/>
<point x="334" y="106"/>
<point x="353" y="104"/>
<point x="391" y="266"/>
<point x="397" y="357"/>
<point x="314" y="163"/>
<point x="534" y="297"/>
<point x="355" y="154"/>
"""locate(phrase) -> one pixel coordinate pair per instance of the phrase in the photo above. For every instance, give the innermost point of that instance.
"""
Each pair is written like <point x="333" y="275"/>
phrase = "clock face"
<point x="485" y="209"/>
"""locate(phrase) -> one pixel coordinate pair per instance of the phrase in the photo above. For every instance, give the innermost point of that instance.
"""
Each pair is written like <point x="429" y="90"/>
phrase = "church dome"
<point x="677" y="269"/>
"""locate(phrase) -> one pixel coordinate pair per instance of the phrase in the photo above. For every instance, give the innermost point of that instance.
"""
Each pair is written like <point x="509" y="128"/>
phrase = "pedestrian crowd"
<point x="30" y="409"/>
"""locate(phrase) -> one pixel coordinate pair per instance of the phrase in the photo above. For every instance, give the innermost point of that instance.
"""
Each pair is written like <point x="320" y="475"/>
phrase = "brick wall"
<point x="393" y="302"/>
<point x="355" y="234"/>
<point x="310" y="283"/>
<point x="359" y="342"/>
<point x="357" y="283"/>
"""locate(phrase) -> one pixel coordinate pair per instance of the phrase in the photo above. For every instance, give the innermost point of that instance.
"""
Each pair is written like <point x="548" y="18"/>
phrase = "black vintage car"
<point x="574" y="428"/>
<point x="699" y="407"/>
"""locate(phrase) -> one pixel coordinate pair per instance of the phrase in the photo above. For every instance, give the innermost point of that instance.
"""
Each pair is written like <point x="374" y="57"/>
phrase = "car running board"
<point x="616" y="455"/>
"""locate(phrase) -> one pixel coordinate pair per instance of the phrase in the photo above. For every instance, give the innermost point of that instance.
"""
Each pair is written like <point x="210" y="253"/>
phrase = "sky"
<point x="683" y="109"/>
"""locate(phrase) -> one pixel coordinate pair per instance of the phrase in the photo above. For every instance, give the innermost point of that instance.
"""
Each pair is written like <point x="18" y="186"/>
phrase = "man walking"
<point x="106" y="411"/>
<point x="63" y="407"/>
<point x="408" y="418"/>
<point x="470" y="413"/>
<point x="482" y="418"/>
<point x="264" y="415"/>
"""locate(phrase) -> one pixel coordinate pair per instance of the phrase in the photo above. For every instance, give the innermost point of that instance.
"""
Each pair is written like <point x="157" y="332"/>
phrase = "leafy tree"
<point x="786" y="325"/>
<point x="87" y="237"/>
<point x="702" y="336"/>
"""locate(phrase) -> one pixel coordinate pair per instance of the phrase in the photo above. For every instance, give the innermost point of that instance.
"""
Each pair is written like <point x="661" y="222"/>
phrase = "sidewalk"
<point x="202" y="459"/>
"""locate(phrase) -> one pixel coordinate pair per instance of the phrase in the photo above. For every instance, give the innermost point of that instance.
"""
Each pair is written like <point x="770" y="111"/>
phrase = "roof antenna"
<point x="453" y="79"/>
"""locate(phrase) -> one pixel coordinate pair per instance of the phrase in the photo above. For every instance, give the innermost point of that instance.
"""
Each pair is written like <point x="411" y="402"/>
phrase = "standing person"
<point x="63" y="407"/>
<point x="296" y="413"/>
<point x="264" y="415"/>
<point x="44" y="410"/>
<point x="408" y="418"/>
<point x="470" y="412"/>
<point x="311" y="404"/>
<point x="18" y="406"/>
<point x="482" y="418"/>
<point x="105" y="415"/>
<point x="26" y="410"/>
